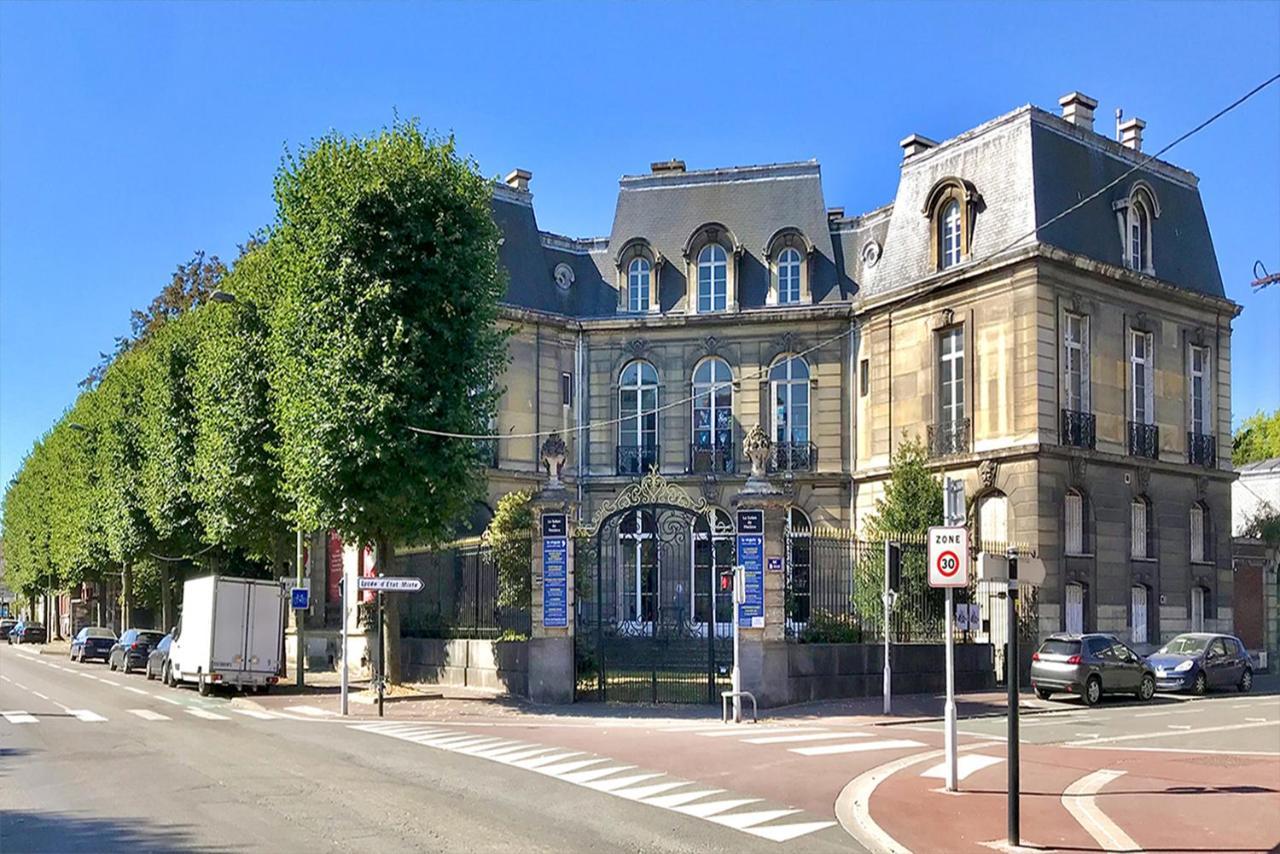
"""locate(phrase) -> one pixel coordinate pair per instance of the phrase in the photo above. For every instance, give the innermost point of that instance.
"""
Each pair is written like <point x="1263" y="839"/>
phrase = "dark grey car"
<point x="1090" y="665"/>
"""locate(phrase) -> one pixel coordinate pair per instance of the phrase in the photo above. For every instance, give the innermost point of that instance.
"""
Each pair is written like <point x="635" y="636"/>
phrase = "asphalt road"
<point x="94" y="761"/>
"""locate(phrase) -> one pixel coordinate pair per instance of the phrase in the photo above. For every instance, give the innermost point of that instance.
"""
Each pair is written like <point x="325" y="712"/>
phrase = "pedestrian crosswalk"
<point x="24" y="716"/>
<point x="606" y="776"/>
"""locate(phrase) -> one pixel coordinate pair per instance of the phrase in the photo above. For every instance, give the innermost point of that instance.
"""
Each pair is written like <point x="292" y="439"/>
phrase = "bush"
<point x="826" y="627"/>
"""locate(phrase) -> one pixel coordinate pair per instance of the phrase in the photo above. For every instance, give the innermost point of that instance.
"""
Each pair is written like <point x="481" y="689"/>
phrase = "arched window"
<point x="1140" y="528"/>
<point x="799" y="595"/>
<point x="1137" y="214"/>
<point x="1198" y="524"/>
<point x="949" y="235"/>
<point x="789" y="381"/>
<point x="639" y="549"/>
<point x="789" y="276"/>
<point x="713" y="553"/>
<point x="638" y="409"/>
<point x="1074" y="508"/>
<point x="638" y="285"/>
<point x="993" y="520"/>
<point x="712" y="416"/>
<point x="713" y="278"/>
<point x="1139" y="236"/>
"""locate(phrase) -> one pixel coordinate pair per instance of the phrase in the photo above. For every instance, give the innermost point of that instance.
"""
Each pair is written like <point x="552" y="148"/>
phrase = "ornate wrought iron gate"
<point x="652" y="624"/>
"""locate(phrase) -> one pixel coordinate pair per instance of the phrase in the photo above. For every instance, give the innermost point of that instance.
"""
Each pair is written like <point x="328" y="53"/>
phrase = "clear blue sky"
<point x="132" y="135"/>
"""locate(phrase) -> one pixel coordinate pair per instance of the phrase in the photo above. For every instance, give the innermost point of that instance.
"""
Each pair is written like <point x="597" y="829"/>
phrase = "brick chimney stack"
<point x="1078" y="108"/>
<point x="914" y="144"/>
<point x="1131" y="134"/>
<point x="518" y="180"/>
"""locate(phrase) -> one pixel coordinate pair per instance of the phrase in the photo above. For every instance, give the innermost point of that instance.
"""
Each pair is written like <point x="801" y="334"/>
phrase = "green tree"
<point x="77" y="545"/>
<point x="1257" y="439"/>
<point x="510" y="536"/>
<point x="28" y="562"/>
<point x="385" y="318"/>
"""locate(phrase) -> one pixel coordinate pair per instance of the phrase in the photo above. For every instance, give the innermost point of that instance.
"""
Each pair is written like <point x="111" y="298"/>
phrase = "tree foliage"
<point x="1257" y="439"/>
<point x="28" y="563"/>
<point x="510" y="537"/>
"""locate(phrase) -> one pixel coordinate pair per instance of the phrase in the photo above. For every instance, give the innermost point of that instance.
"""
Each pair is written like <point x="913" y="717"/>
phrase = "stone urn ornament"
<point x="757" y="446"/>
<point x="554" y="452"/>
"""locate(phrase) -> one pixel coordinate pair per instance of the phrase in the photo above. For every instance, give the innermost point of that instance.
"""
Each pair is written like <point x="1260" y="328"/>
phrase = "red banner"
<point x="333" y="558"/>
<point x="367" y="568"/>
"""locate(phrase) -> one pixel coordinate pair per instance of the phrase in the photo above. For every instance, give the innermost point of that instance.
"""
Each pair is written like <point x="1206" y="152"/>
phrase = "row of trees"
<point x="279" y="393"/>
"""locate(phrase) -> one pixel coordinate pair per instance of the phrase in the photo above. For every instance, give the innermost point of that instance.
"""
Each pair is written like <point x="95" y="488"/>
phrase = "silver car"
<point x="1090" y="665"/>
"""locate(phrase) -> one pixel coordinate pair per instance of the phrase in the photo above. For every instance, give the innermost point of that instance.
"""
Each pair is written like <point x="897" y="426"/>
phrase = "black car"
<point x="159" y="657"/>
<point x="92" y="642"/>
<point x="7" y="625"/>
<point x="28" y="633"/>
<point x="133" y="648"/>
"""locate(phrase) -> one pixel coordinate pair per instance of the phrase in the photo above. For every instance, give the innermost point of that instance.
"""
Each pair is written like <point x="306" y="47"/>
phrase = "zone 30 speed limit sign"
<point x="948" y="557"/>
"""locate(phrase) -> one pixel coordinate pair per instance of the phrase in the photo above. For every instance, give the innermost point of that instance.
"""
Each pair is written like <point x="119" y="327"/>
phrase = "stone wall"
<point x="501" y="666"/>
<point x="830" y="671"/>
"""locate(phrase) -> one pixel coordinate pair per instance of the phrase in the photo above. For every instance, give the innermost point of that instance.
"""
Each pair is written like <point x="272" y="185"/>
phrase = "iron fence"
<point x="1202" y="450"/>
<point x="460" y="596"/>
<point x="1144" y="440"/>
<point x="1079" y="429"/>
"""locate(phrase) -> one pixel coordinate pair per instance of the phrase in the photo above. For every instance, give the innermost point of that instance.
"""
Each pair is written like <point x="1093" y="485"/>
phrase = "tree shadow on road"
<point x="41" y="832"/>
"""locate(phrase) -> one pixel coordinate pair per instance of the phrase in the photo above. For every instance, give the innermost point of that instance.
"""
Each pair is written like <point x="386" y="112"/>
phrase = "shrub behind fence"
<point x="459" y="597"/>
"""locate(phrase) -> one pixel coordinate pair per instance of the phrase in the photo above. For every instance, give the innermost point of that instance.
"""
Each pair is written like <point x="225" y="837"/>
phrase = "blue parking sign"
<point x="301" y="598"/>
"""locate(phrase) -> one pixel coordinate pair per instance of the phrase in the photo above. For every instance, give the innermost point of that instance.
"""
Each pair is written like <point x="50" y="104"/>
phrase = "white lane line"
<point x="5" y="678"/>
<point x="87" y="716"/>
<point x="311" y="710"/>
<point x="1152" y="714"/>
<point x="41" y="696"/>
<point x="135" y="690"/>
<point x="1176" y="726"/>
<point x="207" y="715"/>
<point x="813" y="736"/>
<point x="168" y="700"/>
<point x="731" y="732"/>
<point x="1180" y="750"/>
<point x="965" y="765"/>
<point x="19" y="717"/>
<point x="787" y="832"/>
<point x="1114" y="738"/>
<point x="20" y="685"/>
<point x="743" y="820"/>
<point x="641" y="792"/>
<point x="148" y="715"/>
<point x="710" y="808"/>
<point x="857" y="747"/>
<point x="672" y="801"/>
<point x="1079" y="801"/>
<point x="110" y="681"/>
<point x="90" y="676"/>
<point x="616" y="785"/>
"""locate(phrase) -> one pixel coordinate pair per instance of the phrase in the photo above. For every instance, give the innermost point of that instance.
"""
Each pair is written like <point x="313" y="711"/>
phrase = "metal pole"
<point x="343" y="592"/>
<point x="382" y="657"/>
<point x="299" y="617"/>
<point x="887" y="689"/>
<point x="950" y="709"/>
<point x="737" y="673"/>
<point x="1011" y="668"/>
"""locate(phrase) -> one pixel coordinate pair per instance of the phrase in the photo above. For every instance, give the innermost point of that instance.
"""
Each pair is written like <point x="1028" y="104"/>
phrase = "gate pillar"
<point x="762" y="647"/>
<point x="551" y="666"/>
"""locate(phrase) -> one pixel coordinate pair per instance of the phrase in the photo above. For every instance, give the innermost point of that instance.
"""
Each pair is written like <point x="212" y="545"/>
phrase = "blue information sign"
<point x="555" y="573"/>
<point x="751" y="559"/>
<point x="301" y="598"/>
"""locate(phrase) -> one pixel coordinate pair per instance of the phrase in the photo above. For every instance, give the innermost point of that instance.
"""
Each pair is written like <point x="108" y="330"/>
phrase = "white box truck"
<point x="231" y="632"/>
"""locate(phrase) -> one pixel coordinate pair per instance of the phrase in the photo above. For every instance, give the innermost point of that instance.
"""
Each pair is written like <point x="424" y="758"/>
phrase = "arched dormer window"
<point x="1135" y="214"/>
<point x="712" y="256"/>
<point x="952" y="207"/>
<point x="787" y="254"/>
<point x="638" y="269"/>
<point x="713" y="278"/>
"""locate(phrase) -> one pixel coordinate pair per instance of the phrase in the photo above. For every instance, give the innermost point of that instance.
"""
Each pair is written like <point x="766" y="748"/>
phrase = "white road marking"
<point x="19" y="717"/>
<point x="148" y="715"/>
<point x="254" y="713"/>
<point x="20" y="685"/>
<point x="207" y="715"/>
<point x="787" y="832"/>
<point x="744" y="820"/>
<point x="593" y="774"/>
<point x="1114" y="738"/>
<point x="965" y="765"/>
<point x="857" y="747"/>
<point x="87" y="716"/>
<point x="41" y="696"/>
<point x="1256" y="720"/>
<point x="710" y="808"/>
<point x="1079" y="801"/>
<point x="671" y="801"/>
<point x="616" y="785"/>
<point x="641" y="792"/>
<point x="1179" y="750"/>
<point x="90" y="676"/>
<point x="1152" y="714"/>
<point x="6" y="678"/>
<point x="110" y="681"/>
<point x="731" y="732"/>
<point x="135" y="690"/>
<point x="168" y="700"/>
<point x="311" y="710"/>
<point x="813" y="736"/>
<point x="1177" y="726"/>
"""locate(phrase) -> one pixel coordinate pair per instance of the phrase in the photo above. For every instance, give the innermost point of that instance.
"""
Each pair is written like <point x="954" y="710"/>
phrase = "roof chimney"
<point x="834" y="214"/>
<point x="1131" y="134"/>
<point x="518" y="179"/>
<point x="914" y="144"/>
<point x="1078" y="108"/>
<point x="672" y="165"/>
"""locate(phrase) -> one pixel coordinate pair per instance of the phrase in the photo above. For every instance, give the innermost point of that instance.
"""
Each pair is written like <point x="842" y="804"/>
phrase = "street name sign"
<point x="389" y="584"/>
<point x="948" y="556"/>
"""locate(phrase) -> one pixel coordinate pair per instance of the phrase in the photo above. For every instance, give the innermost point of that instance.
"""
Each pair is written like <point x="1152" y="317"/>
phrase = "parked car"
<point x="7" y="625"/>
<point x="1201" y="661"/>
<point x="159" y="657"/>
<point x="1090" y="665"/>
<point x="28" y="633"/>
<point x="132" y="649"/>
<point x="92" y="642"/>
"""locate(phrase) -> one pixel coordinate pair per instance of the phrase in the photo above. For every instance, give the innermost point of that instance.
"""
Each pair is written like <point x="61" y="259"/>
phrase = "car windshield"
<point x="1184" y="646"/>
<point x="1053" y="646"/>
<point x="98" y="632"/>
<point x="149" y="638"/>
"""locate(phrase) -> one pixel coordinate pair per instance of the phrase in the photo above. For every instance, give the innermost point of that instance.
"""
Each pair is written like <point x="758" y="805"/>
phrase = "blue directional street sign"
<point x="301" y="598"/>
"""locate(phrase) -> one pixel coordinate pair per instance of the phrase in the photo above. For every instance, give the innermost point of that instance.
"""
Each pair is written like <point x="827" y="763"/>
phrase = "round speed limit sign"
<point x="948" y="564"/>
<point x="948" y="556"/>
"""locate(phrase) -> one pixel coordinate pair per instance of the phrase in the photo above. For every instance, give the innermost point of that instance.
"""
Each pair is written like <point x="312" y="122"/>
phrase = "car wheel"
<point x="1246" y="681"/>
<point x="1147" y="689"/>
<point x="1092" y="691"/>
<point x="1043" y="694"/>
<point x="1200" y="685"/>
<point x="126" y="666"/>
<point x="111" y="664"/>
<point x="263" y="689"/>
<point x="167" y="676"/>
<point x="205" y="687"/>
<point x="151" y="677"/>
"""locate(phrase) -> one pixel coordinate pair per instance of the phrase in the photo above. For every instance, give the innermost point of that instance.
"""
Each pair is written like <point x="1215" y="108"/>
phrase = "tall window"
<point x="637" y="406"/>
<point x="1075" y="361"/>
<point x="1139" y="513"/>
<point x="713" y="552"/>
<point x="713" y="278"/>
<point x="789" y="378"/>
<point x="639" y="548"/>
<point x="951" y="375"/>
<point x="1074" y="507"/>
<point x="993" y="519"/>
<point x="712" y="404"/>
<point x="638" y="280"/>
<point x="1199" y="377"/>
<point x="1199" y="540"/>
<point x="949" y="235"/>
<point x="1139" y="235"/>
<point x="799" y="579"/>
<point x="789" y="276"/>
<point x="1138" y="613"/>
<point x="1141" y="370"/>
<point x="1073" y="619"/>
<point x="1197" y="609"/>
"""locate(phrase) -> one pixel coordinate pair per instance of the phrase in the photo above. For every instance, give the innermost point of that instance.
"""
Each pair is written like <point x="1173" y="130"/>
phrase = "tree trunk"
<point x="54" y="630"/>
<point x="166" y="597"/>
<point x="391" y="614"/>
<point x="126" y="596"/>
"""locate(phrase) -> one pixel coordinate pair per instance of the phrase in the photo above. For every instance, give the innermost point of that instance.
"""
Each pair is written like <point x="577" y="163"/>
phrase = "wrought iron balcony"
<point x="793" y="456"/>
<point x="1144" y="440"/>
<point x="1079" y="429"/>
<point x="637" y="459"/>
<point x="949" y="437"/>
<point x="1202" y="450"/>
<point x="711" y="458"/>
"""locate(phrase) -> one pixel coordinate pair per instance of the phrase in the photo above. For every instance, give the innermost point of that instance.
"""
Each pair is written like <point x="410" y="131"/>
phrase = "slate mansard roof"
<point x="1025" y="166"/>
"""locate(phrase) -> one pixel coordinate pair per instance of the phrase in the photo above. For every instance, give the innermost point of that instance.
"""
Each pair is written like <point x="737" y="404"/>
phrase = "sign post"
<point x="892" y="572"/>
<point x="343" y="597"/>
<point x="379" y="584"/>
<point x="1012" y="677"/>
<point x="739" y="597"/>
<point x="949" y="569"/>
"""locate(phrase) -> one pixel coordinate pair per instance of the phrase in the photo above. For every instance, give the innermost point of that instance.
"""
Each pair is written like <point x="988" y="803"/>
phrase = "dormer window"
<point x="638" y="285"/>
<point x="952" y="208"/>
<point x="787" y="256"/>
<point x="1139" y="229"/>
<point x="949" y="236"/>
<point x="1136" y="215"/>
<point x="789" y="276"/>
<point x="713" y="278"/>
<point x="638" y="267"/>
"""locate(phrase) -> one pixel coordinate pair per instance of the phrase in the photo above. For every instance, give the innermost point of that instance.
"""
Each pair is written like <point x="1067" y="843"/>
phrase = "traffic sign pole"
<point x="954" y="511"/>
<point x="343" y="591"/>
<point x="1011" y="679"/>
<point x="299" y="617"/>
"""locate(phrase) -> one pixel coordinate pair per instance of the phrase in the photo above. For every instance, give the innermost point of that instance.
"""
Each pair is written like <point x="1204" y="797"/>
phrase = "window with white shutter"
<point x="1075" y="523"/>
<point x="1141" y="377"/>
<point x="1138" y="528"/>
<point x="1198" y="375"/>
<point x="1075" y="362"/>
<point x="1138" y="607"/>
<point x="1197" y="534"/>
